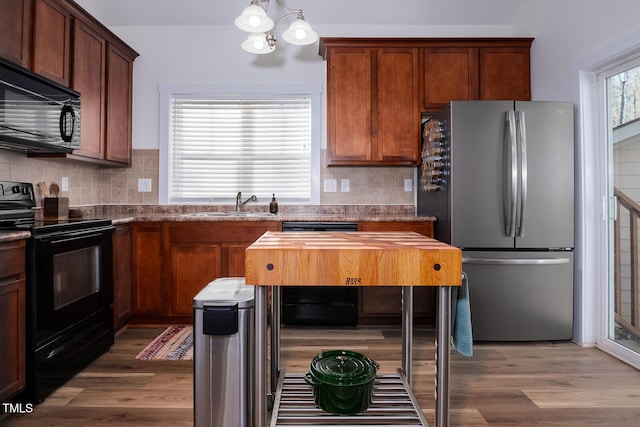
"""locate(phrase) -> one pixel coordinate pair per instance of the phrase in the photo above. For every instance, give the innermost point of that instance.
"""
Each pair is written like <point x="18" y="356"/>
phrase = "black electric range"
<point x="69" y="290"/>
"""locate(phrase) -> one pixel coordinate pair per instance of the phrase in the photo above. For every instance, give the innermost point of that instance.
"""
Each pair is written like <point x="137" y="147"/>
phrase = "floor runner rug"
<point x="174" y="343"/>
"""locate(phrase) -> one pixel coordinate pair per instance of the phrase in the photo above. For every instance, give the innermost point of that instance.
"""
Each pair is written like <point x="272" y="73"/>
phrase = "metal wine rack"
<point x="434" y="157"/>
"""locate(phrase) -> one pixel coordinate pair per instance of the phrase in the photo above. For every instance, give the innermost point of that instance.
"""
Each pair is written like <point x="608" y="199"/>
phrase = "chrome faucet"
<point x="240" y="203"/>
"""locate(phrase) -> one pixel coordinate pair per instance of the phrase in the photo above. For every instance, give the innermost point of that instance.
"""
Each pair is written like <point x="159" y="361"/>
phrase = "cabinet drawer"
<point x="220" y="231"/>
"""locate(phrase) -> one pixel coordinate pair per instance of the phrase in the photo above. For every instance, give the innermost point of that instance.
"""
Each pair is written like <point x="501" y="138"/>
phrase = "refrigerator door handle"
<point x="510" y="182"/>
<point x="515" y="261"/>
<point x="522" y="196"/>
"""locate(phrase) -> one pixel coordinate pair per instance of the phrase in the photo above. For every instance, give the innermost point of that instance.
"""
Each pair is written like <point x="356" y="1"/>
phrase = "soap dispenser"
<point x="273" y="206"/>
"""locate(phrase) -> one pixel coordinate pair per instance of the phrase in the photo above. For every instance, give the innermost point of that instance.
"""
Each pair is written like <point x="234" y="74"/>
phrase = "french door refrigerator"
<point x="498" y="175"/>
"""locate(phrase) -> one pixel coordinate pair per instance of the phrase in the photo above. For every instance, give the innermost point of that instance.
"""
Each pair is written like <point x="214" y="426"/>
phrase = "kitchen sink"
<point x="223" y="214"/>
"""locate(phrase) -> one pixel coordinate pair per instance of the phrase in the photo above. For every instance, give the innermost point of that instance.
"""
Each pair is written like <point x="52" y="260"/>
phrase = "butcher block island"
<point x="405" y="259"/>
<point x="352" y="259"/>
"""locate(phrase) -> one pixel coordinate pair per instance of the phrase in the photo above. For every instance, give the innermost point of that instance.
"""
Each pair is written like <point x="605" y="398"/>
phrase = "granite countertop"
<point x="10" y="236"/>
<point x="121" y="214"/>
<point x="124" y="214"/>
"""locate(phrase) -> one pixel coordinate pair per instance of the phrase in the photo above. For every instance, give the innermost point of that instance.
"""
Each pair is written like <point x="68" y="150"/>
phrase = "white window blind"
<point x="257" y="146"/>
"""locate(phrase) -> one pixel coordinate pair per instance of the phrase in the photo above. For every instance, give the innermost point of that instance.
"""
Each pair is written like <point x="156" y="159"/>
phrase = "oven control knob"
<point x="15" y="189"/>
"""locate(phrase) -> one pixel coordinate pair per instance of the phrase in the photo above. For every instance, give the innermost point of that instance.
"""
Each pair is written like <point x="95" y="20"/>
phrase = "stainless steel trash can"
<point x="223" y="354"/>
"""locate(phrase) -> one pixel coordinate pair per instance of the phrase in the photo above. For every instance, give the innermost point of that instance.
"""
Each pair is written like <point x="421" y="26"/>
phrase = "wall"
<point x="564" y="32"/>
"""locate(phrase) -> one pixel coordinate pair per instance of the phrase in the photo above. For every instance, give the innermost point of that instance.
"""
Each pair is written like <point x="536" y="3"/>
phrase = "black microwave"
<point x="37" y="115"/>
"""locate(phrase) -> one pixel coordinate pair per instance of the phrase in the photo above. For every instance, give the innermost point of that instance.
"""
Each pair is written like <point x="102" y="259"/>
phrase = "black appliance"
<point x="319" y="305"/>
<point x="69" y="293"/>
<point x="37" y="115"/>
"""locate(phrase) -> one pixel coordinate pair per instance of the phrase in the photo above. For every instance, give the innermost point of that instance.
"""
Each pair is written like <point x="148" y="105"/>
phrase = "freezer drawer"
<point x="520" y="296"/>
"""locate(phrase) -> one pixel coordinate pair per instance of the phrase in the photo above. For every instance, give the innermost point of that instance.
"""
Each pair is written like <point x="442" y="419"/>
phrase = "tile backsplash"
<point x="94" y="185"/>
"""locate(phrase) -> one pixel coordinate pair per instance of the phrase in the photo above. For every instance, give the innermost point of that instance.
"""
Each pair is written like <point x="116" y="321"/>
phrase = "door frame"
<point x="592" y="275"/>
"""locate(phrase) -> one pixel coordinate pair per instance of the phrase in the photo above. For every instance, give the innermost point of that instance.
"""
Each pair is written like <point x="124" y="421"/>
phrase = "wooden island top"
<point x="351" y="259"/>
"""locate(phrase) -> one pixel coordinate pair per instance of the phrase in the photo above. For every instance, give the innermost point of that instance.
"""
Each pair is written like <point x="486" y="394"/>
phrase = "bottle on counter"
<point x="273" y="206"/>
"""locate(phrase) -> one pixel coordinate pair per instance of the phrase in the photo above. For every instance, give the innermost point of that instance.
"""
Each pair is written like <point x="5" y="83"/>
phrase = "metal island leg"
<point x="260" y="414"/>
<point x="407" y="332"/>
<point x="443" y="336"/>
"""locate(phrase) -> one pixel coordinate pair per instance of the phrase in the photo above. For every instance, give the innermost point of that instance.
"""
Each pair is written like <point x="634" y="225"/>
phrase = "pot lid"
<point x="343" y="367"/>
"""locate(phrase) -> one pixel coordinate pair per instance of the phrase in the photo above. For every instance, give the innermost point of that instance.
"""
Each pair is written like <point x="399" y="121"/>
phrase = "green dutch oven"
<point x="342" y="381"/>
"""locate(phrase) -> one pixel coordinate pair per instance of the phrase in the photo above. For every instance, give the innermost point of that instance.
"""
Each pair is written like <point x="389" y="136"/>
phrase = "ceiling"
<point x="324" y="12"/>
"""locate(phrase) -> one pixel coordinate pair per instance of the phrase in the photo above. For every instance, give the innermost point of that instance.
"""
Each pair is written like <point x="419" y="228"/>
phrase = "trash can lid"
<point x="225" y="291"/>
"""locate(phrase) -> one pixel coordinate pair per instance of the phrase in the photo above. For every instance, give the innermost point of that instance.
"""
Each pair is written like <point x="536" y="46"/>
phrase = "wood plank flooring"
<point x="532" y="384"/>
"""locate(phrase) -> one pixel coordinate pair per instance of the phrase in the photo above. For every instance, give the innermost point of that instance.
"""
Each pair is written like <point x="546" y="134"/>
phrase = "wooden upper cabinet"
<point x="62" y="42"/>
<point x="373" y="110"/>
<point x="505" y="73"/>
<point x="397" y="137"/>
<point x="89" y="70"/>
<point x="349" y="105"/>
<point x="119" y="105"/>
<point x="377" y="89"/>
<point x="449" y="74"/>
<point x="51" y="40"/>
<point x="15" y="31"/>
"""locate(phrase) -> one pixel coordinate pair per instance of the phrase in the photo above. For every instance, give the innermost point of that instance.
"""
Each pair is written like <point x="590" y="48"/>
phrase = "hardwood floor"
<point x="532" y="384"/>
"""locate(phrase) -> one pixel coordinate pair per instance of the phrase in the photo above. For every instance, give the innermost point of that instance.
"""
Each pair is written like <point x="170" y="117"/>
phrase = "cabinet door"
<point x="51" y="41"/>
<point x="12" y="318"/>
<point x="119" y="108"/>
<point x="397" y="129"/>
<point x="235" y="259"/>
<point x="15" y="31"/>
<point x="193" y="266"/>
<point x="384" y="304"/>
<point x="349" y="103"/>
<point x="505" y="73"/>
<point x="450" y="74"/>
<point x="12" y="334"/>
<point x="89" y="55"/>
<point x="122" y="276"/>
<point x="148" y="268"/>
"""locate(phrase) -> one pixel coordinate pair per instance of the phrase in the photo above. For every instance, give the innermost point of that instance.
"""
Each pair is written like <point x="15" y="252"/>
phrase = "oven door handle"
<point x="74" y="235"/>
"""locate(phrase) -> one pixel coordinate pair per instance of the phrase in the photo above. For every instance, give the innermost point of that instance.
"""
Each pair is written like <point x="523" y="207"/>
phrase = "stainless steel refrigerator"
<point x="498" y="175"/>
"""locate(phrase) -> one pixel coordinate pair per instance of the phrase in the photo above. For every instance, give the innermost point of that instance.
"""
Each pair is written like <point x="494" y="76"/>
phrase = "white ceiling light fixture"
<point x="262" y="39"/>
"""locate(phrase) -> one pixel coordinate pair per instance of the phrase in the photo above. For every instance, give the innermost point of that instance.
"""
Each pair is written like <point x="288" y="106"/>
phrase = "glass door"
<point x="622" y="95"/>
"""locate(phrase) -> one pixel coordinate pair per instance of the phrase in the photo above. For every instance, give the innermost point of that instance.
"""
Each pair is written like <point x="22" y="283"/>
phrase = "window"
<point x="219" y="143"/>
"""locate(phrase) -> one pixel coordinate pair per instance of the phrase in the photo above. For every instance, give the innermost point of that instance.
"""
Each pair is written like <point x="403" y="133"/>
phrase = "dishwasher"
<point x="319" y="305"/>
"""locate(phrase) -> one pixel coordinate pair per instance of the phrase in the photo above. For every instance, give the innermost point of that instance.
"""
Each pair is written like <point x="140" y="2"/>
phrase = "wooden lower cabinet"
<point x="383" y="305"/>
<point x="122" y="276"/>
<point x="193" y="266"/>
<point x="173" y="261"/>
<point x="12" y="318"/>
<point x="200" y="252"/>
<point x="147" y="246"/>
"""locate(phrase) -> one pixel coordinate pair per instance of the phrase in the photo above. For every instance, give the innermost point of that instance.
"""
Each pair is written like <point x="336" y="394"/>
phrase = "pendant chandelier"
<point x="261" y="28"/>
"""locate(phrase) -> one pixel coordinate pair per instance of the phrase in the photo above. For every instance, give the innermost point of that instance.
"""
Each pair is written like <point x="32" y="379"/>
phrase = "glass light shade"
<point x="300" y="33"/>
<point x="254" y="19"/>
<point x="257" y="43"/>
